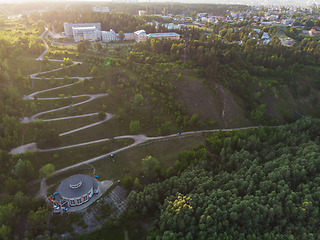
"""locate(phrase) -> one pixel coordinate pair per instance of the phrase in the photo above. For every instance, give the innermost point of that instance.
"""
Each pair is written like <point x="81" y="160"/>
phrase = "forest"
<point x="241" y="68"/>
<point x="251" y="184"/>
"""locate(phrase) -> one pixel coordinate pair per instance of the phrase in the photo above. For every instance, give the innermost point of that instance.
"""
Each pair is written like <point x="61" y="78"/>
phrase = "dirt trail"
<point x="43" y="189"/>
<point x="223" y="95"/>
<point x="126" y="237"/>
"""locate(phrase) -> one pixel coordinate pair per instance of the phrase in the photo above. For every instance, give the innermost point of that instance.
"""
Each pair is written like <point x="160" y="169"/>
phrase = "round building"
<point x="78" y="189"/>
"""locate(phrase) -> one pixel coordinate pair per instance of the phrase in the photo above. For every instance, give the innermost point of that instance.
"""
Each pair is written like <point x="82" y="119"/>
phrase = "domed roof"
<point x="76" y="186"/>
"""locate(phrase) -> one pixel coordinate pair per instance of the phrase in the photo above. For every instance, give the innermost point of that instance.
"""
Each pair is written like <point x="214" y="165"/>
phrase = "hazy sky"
<point x="182" y="1"/>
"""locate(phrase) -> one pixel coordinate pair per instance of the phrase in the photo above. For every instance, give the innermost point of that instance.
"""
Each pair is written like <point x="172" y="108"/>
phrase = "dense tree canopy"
<point x="264" y="185"/>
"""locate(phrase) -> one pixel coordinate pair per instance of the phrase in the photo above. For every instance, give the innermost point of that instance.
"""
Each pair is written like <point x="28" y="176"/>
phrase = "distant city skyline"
<point x="230" y="2"/>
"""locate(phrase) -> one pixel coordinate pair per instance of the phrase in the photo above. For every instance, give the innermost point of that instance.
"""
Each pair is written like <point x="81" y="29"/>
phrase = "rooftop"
<point x="84" y="28"/>
<point x="140" y="32"/>
<point x="76" y="186"/>
<point x="163" y="34"/>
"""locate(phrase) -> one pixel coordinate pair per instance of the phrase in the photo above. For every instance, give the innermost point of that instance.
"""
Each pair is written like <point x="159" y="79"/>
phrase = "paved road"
<point x="45" y="44"/>
<point x="139" y="139"/>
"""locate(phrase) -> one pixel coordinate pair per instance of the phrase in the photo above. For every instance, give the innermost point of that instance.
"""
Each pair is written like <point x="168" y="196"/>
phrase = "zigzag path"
<point x="139" y="139"/>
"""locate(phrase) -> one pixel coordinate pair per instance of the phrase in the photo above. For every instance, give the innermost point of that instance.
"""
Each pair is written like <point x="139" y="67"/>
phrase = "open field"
<point x="44" y="105"/>
<point x="89" y="107"/>
<point x="66" y="157"/>
<point x="60" y="126"/>
<point x="128" y="162"/>
<point x="76" y="89"/>
<point x="30" y="66"/>
<point x="78" y="71"/>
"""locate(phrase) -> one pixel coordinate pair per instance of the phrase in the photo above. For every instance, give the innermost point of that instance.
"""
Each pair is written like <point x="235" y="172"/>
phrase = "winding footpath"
<point x="33" y="146"/>
<point x="138" y="139"/>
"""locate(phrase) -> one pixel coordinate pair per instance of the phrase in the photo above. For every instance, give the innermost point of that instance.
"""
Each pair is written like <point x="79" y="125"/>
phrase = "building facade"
<point x="168" y="35"/>
<point x="86" y="33"/>
<point x="140" y="35"/>
<point x="68" y="27"/>
<point x="128" y="36"/>
<point x="108" y="36"/>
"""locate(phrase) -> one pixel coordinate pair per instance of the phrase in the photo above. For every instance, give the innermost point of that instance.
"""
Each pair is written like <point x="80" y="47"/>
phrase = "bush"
<point x="102" y="115"/>
<point x="127" y="182"/>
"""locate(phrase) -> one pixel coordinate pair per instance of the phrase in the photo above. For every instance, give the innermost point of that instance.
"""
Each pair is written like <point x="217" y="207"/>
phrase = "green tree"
<point x="5" y="232"/>
<point x="23" y="169"/>
<point x="6" y="76"/>
<point x="33" y="107"/>
<point x="102" y="86"/>
<point x="137" y="184"/>
<point x="127" y="182"/>
<point x="138" y="98"/>
<point x="47" y="170"/>
<point x="37" y="221"/>
<point x="121" y="35"/>
<point x="80" y="47"/>
<point x="134" y="126"/>
<point x="150" y="166"/>
<point x="8" y="214"/>
<point x="19" y="200"/>
<point x="193" y="14"/>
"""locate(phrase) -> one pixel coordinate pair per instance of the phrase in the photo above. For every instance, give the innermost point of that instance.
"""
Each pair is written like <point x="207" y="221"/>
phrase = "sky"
<point x="182" y="1"/>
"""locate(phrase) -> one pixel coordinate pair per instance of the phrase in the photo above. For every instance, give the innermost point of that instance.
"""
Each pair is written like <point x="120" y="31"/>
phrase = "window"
<point x="72" y="202"/>
<point x="79" y="201"/>
<point x="85" y="198"/>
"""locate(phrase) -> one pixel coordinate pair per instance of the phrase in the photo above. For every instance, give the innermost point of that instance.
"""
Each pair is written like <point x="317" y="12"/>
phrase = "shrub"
<point x="127" y="182"/>
<point x="102" y="115"/>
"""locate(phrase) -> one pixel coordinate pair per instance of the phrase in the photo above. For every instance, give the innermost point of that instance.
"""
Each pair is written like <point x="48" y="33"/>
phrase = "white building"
<point x="68" y="27"/>
<point x="265" y="36"/>
<point x="86" y="33"/>
<point x="170" y="26"/>
<point x="287" y="21"/>
<point x="108" y="36"/>
<point x="100" y="9"/>
<point x="140" y="35"/>
<point x="202" y="14"/>
<point x="168" y="35"/>
<point x="128" y="36"/>
<point x="142" y="13"/>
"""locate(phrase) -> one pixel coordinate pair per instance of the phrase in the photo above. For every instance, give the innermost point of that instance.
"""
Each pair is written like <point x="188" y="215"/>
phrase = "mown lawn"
<point x="128" y="162"/>
<point x="66" y="157"/>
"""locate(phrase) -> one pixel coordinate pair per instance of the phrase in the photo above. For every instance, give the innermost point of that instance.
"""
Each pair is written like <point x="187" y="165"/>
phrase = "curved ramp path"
<point x="139" y="139"/>
<point x="33" y="146"/>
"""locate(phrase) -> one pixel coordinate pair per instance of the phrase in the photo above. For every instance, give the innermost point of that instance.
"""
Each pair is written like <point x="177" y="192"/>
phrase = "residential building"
<point x="265" y="36"/>
<point x="141" y="12"/>
<point x="287" y="21"/>
<point x="313" y="32"/>
<point x="170" y="26"/>
<point x="86" y="33"/>
<point x="69" y="31"/>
